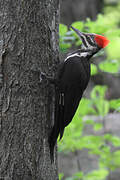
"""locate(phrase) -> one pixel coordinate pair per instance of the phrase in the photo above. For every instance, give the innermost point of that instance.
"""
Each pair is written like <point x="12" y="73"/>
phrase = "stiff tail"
<point x="52" y="141"/>
<point x="58" y="127"/>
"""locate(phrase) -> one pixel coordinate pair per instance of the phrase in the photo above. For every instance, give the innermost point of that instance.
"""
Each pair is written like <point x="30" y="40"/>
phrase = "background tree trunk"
<point x="29" y="37"/>
<point x="78" y="10"/>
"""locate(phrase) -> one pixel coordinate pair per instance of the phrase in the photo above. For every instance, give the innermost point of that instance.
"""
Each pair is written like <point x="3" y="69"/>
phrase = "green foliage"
<point x="62" y="30"/>
<point x="97" y="96"/>
<point x="79" y="25"/>
<point x="64" y="38"/>
<point x="97" y="175"/>
<point x="105" y="24"/>
<point x="111" y="66"/>
<point x="100" y="174"/>
<point x="94" y="69"/>
<point x="98" y="126"/>
<point x="115" y="104"/>
<point x="74" y="137"/>
<point x="61" y="175"/>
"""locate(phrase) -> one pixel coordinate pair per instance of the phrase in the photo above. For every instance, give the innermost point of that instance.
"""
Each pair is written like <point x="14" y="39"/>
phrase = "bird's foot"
<point x="45" y="78"/>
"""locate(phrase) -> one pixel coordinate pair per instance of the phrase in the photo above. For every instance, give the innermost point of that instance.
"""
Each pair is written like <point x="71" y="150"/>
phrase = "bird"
<point x="71" y="80"/>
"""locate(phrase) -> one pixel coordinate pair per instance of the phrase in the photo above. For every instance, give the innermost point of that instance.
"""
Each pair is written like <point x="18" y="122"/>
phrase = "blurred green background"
<point x="101" y="99"/>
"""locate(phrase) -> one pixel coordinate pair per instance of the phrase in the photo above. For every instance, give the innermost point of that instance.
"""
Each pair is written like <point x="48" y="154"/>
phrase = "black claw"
<point x="43" y="77"/>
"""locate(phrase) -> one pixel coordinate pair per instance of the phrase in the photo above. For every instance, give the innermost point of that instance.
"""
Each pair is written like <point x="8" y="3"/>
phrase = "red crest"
<point x="102" y="41"/>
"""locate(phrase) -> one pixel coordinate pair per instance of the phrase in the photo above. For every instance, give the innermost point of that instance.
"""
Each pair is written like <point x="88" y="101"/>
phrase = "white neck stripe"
<point x="83" y="54"/>
<point x="76" y="54"/>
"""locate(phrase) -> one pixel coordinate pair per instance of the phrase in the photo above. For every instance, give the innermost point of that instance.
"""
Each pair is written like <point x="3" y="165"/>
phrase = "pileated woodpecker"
<point x="72" y="78"/>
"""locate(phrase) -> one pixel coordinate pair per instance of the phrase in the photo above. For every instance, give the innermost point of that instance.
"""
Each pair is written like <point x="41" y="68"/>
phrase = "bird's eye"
<point x="90" y="40"/>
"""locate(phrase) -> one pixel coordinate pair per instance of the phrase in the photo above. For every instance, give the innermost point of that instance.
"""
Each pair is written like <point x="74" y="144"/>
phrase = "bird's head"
<point x="91" y="42"/>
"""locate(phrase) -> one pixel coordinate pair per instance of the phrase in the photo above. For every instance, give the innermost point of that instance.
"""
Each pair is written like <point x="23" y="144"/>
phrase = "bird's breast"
<point x="76" y="73"/>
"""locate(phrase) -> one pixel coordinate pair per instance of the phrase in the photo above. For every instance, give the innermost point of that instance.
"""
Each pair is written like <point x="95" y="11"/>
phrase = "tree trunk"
<point x="28" y="45"/>
<point x="79" y="10"/>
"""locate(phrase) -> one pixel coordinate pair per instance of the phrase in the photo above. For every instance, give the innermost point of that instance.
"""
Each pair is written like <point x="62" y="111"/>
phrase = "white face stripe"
<point x="83" y="54"/>
<point x="85" y="38"/>
<point x="92" y="40"/>
<point x="88" y="41"/>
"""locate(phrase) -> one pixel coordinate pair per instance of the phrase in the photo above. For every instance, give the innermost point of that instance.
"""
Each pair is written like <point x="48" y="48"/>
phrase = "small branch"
<point x="78" y="162"/>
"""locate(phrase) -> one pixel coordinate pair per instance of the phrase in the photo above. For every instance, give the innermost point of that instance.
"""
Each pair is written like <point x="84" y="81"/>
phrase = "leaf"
<point x="97" y="175"/>
<point x="80" y="175"/>
<point x="115" y="104"/>
<point x="107" y="137"/>
<point x="115" y="141"/>
<point x="113" y="48"/>
<point x="97" y="96"/>
<point x="78" y="25"/>
<point x="85" y="107"/>
<point x="98" y="91"/>
<point x="64" y="46"/>
<point x="61" y="175"/>
<point x="105" y="108"/>
<point x="91" y="142"/>
<point x="90" y="122"/>
<point x="94" y="70"/>
<point x="109" y="66"/>
<point x="116" y="158"/>
<point x="98" y="126"/>
<point x="62" y="29"/>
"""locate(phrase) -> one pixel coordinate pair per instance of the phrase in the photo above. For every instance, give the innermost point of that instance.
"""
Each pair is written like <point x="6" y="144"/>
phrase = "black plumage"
<point x="72" y="79"/>
<point x="68" y="93"/>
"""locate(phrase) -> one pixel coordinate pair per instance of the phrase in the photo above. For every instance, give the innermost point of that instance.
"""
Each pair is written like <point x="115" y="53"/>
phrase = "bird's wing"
<point x="75" y="78"/>
<point x="72" y="81"/>
<point x="72" y="99"/>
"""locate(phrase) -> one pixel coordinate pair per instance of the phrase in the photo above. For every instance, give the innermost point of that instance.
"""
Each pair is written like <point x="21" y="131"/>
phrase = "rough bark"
<point x="28" y="44"/>
<point x="79" y="10"/>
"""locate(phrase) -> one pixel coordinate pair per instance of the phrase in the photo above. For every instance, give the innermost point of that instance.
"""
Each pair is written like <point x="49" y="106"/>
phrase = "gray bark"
<point x="28" y="44"/>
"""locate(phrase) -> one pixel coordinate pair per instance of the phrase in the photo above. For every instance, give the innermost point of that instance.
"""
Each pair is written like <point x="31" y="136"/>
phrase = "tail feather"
<point x="52" y="141"/>
<point x="61" y="121"/>
<point x="58" y="127"/>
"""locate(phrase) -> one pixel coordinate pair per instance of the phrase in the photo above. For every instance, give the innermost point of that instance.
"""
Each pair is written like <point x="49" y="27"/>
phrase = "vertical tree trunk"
<point x="79" y="10"/>
<point x="28" y="44"/>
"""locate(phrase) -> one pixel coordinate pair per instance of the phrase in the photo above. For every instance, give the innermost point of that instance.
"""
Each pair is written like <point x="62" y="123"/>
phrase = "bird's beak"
<point x="80" y="34"/>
